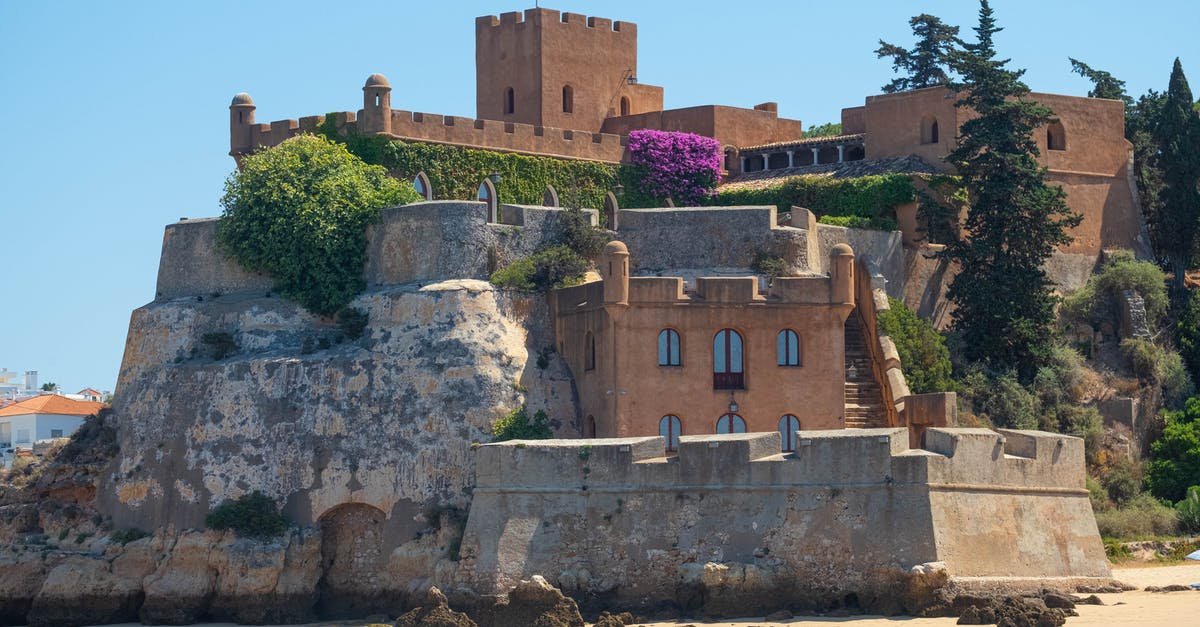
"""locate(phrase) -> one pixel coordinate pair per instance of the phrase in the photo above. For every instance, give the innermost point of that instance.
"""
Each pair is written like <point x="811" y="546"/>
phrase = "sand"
<point x="1126" y="608"/>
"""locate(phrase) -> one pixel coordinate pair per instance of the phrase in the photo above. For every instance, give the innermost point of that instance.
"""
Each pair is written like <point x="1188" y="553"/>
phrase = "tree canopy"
<point x="299" y="212"/>
<point x="1176" y="216"/>
<point x="926" y="63"/>
<point x="1104" y="85"/>
<point x="1005" y="307"/>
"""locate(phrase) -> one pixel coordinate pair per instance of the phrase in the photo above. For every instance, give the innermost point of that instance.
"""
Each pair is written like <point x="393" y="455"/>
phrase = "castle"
<point x="566" y="85"/>
<point x="721" y="436"/>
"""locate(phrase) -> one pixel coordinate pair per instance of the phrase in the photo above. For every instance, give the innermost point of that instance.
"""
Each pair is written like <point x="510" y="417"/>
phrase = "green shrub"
<point x="768" y="264"/>
<point x="580" y="236"/>
<point x="1115" y="550"/>
<point x="1189" y="510"/>
<point x="859" y="222"/>
<point x="923" y="353"/>
<point x="1187" y="333"/>
<point x="865" y="196"/>
<point x="549" y="269"/>
<point x="1142" y="517"/>
<point x="220" y="344"/>
<point x="1123" y="480"/>
<point x="253" y="515"/>
<point x="1154" y="364"/>
<point x="1097" y="495"/>
<point x="1175" y="457"/>
<point x="352" y="321"/>
<point x="518" y="426"/>
<point x="1002" y="400"/>
<point x="1100" y="299"/>
<point x="828" y="129"/>
<point x="299" y="212"/>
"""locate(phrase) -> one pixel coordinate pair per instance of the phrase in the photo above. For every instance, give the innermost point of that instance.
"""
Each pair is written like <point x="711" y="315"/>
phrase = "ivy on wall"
<point x="455" y="172"/>
<point x="868" y="197"/>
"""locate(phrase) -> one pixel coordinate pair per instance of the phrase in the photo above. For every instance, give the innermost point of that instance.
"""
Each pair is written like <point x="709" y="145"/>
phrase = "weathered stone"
<point x="535" y="603"/>
<point x="180" y="590"/>
<point x="84" y="591"/>
<point x="434" y="612"/>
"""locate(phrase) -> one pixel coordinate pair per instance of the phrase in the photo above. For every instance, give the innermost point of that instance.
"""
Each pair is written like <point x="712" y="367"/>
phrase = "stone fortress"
<point x="757" y="441"/>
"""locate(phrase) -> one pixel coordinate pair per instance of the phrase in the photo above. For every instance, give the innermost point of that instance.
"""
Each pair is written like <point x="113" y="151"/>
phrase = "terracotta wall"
<point x="1092" y="169"/>
<point x="627" y="392"/>
<point x="540" y="52"/>
<point x="732" y="126"/>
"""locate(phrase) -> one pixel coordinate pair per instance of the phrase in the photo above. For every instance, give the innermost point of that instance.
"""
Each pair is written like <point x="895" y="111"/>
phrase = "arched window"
<point x="1056" y="137"/>
<point x="729" y="159"/>
<point x="727" y="361"/>
<point x="788" y="426"/>
<point x="568" y="99"/>
<point x="668" y="347"/>
<point x="421" y="184"/>
<point x="787" y="348"/>
<point x="624" y="105"/>
<point x="510" y="101"/>
<point x="487" y="193"/>
<point x="589" y="351"/>
<point x="589" y="427"/>
<point x="731" y="423"/>
<point x="929" y="130"/>
<point x="550" y="197"/>
<point x="669" y="428"/>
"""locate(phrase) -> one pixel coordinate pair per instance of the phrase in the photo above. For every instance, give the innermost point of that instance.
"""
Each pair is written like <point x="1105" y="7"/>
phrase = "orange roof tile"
<point x="51" y="404"/>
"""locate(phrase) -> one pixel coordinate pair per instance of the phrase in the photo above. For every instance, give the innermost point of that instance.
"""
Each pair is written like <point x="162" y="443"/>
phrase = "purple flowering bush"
<point x="681" y="166"/>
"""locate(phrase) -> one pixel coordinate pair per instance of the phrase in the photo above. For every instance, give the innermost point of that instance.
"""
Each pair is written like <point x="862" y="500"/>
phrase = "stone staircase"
<point x="864" y="398"/>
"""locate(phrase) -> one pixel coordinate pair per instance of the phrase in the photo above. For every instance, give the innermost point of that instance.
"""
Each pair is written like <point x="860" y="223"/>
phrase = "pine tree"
<point x="1177" y="137"/>
<point x="1104" y="85"/>
<point x="924" y="65"/>
<point x="1005" y="306"/>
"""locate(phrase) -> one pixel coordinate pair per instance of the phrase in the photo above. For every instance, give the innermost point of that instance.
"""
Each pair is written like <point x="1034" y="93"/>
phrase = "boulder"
<point x="533" y="603"/>
<point x="434" y="612"/>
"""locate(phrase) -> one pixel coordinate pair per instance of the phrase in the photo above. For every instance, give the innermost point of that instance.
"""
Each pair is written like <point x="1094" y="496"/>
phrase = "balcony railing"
<point x="729" y="381"/>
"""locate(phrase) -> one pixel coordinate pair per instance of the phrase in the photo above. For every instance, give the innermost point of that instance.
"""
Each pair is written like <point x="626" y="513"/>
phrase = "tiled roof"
<point x="51" y="404"/>
<point x="911" y="164"/>
<point x="808" y="142"/>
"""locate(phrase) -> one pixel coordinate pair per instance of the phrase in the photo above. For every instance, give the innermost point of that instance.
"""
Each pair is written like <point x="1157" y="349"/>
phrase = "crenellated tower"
<point x="377" y="106"/>
<point x="241" y="121"/>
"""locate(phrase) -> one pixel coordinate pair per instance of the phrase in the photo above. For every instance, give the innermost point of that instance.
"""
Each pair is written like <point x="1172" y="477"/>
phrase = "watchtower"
<point x="559" y="70"/>
<point x="241" y="119"/>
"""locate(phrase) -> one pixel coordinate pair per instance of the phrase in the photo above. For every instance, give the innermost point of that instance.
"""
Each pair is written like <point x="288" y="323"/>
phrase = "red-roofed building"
<point x="41" y="418"/>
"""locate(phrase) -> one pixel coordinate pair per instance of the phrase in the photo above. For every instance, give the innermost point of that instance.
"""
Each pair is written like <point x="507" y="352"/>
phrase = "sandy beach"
<point x="1136" y="607"/>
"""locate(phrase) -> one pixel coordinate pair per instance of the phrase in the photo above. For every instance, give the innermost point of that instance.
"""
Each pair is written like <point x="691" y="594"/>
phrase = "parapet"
<point x="545" y="17"/>
<point x="966" y="459"/>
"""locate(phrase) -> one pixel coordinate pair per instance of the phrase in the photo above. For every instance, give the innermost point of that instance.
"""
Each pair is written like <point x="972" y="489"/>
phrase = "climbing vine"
<point x="869" y="197"/>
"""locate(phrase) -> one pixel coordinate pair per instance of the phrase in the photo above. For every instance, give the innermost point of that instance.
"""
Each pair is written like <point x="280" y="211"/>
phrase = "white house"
<point x="42" y="418"/>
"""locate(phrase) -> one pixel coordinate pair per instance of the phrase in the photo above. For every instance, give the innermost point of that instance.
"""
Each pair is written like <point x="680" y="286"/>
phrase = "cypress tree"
<point x="924" y="65"/>
<point x="1005" y="305"/>
<point x="1177" y="215"/>
<point x="1104" y="84"/>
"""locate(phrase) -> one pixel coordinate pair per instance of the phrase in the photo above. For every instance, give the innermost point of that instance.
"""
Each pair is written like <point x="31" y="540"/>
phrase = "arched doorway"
<point x="421" y="184"/>
<point x="353" y="561"/>
<point x="610" y="211"/>
<point x="550" y="197"/>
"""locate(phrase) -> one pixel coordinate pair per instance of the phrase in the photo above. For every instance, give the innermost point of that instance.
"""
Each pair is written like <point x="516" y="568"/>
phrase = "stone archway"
<point x="353" y="562"/>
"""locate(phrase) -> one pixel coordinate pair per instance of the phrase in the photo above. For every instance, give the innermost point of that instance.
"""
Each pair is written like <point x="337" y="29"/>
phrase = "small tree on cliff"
<point x="925" y="65"/>
<point x="299" y="212"/>
<point x="1005" y="309"/>
<point x="1177" y="215"/>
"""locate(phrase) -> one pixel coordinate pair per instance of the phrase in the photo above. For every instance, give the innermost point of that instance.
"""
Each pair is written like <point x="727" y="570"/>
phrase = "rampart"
<point x="616" y="518"/>
<point x="442" y="129"/>
<point x="439" y="240"/>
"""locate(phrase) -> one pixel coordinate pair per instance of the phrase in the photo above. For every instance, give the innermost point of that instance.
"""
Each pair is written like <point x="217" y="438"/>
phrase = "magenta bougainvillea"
<point x="681" y="166"/>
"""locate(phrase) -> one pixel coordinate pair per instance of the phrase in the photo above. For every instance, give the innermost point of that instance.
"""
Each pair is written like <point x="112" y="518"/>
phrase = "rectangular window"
<point x="56" y="433"/>
<point x="22" y="436"/>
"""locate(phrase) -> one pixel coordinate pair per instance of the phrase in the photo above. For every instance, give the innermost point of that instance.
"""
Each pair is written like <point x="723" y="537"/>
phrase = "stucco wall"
<point x="613" y="517"/>
<point x="732" y="126"/>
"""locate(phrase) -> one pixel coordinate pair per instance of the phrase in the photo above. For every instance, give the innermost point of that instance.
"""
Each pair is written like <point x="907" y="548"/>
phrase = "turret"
<point x="241" y="119"/>
<point x="841" y="275"/>
<point x="614" y="269"/>
<point x="377" y="106"/>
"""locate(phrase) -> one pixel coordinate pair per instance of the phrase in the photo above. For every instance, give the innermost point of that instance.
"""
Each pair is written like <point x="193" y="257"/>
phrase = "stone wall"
<point x="843" y="515"/>
<point x="675" y="239"/>
<point x="882" y="252"/>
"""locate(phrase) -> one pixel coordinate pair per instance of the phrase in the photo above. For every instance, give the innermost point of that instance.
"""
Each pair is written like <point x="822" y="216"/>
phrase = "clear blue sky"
<point x="118" y="124"/>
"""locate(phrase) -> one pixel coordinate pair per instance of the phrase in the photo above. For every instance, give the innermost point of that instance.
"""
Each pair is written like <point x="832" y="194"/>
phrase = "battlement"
<point x="956" y="459"/>
<point x="247" y="136"/>
<point x="546" y="17"/>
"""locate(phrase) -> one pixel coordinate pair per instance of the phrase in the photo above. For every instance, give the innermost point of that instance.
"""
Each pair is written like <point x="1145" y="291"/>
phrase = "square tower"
<point x="559" y="70"/>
